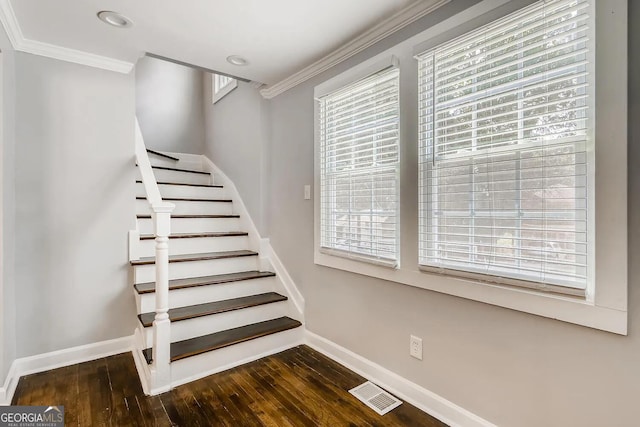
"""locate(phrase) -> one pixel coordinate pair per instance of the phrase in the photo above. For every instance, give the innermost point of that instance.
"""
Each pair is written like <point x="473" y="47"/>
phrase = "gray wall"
<point x="512" y="368"/>
<point x="74" y="178"/>
<point x="7" y="207"/>
<point x="238" y="144"/>
<point x="169" y="101"/>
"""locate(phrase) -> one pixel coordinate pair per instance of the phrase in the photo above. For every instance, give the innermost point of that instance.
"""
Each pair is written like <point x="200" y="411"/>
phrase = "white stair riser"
<point x="183" y="270"/>
<point x="197" y="245"/>
<point x="202" y="365"/>
<point x="193" y="225"/>
<point x="156" y="160"/>
<point x="185" y="191"/>
<point x="189" y="207"/>
<point x="164" y="175"/>
<point x="194" y="165"/>
<point x="146" y="303"/>
<point x="205" y="325"/>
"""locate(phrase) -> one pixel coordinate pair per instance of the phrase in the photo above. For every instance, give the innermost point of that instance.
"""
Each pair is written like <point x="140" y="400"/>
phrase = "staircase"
<point x="225" y="304"/>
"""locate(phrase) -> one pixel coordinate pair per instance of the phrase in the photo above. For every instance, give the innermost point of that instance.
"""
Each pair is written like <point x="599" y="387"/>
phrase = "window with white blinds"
<point x="359" y="165"/>
<point x="505" y="124"/>
<point x="222" y="85"/>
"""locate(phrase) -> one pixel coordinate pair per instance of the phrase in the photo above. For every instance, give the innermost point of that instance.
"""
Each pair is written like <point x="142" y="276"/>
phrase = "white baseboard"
<point x="431" y="403"/>
<point x="57" y="359"/>
<point x="9" y="387"/>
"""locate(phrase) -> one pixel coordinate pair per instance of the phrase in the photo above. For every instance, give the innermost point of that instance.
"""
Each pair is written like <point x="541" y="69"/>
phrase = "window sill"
<point x="565" y="308"/>
<point x="386" y="263"/>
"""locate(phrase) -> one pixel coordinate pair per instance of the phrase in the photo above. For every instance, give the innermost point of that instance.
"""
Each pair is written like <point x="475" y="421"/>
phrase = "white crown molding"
<point x="401" y="19"/>
<point x="20" y="43"/>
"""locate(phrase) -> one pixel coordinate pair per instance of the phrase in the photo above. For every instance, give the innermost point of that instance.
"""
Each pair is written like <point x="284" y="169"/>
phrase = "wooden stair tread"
<point x="147" y="216"/>
<point x="207" y="309"/>
<point x="192" y="282"/>
<point x="138" y="181"/>
<point x="218" y="340"/>
<point x="166" y="156"/>
<point x="189" y="199"/>
<point x="180" y="170"/>
<point x="198" y="235"/>
<point x="196" y="257"/>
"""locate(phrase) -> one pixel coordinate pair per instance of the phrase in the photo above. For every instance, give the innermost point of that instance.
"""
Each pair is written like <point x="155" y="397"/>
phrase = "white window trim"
<point x="223" y="91"/>
<point x="606" y="307"/>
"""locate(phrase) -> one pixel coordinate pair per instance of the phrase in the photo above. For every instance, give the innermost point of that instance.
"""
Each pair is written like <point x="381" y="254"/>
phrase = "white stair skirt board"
<point x="185" y="191"/>
<point x="205" y="325"/>
<point x="183" y="270"/>
<point x="189" y="207"/>
<point x="193" y="225"/>
<point x="375" y="398"/>
<point x="196" y="245"/>
<point x="426" y="400"/>
<point x="266" y="251"/>
<point x="163" y="175"/>
<point x="146" y="303"/>
<point x="202" y="365"/>
<point x="59" y="358"/>
<point x="144" y="372"/>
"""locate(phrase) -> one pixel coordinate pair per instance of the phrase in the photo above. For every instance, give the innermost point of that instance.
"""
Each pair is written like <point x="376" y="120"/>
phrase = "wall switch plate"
<point x="415" y="347"/>
<point x="307" y="192"/>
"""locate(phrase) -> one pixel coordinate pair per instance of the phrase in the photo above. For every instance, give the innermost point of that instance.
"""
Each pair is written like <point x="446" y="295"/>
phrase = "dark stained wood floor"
<point x="298" y="387"/>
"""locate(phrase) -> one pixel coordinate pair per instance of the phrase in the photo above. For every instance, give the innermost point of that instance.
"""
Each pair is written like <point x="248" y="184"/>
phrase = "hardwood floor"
<point x="298" y="387"/>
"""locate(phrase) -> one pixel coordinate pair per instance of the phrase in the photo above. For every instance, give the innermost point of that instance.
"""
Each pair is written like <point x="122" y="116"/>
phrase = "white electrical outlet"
<point x="307" y="192"/>
<point x="415" y="347"/>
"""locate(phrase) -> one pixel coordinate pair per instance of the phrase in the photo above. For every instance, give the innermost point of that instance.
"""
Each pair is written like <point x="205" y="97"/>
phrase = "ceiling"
<point x="278" y="37"/>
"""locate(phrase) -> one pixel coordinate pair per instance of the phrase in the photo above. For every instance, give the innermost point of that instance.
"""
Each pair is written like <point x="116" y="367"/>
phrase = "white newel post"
<point x="160" y="368"/>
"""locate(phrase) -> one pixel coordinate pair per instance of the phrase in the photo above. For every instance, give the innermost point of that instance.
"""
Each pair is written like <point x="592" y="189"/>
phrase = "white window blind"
<point x="359" y="152"/>
<point x="221" y="81"/>
<point x="505" y="164"/>
<point x="222" y="85"/>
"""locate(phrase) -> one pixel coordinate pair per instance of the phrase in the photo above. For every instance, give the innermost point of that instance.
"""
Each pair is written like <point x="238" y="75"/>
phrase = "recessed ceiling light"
<point x="115" y="19"/>
<point x="237" y="60"/>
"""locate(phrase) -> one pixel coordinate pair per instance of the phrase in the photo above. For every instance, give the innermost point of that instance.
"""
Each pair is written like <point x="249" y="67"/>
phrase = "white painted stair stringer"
<point x="268" y="259"/>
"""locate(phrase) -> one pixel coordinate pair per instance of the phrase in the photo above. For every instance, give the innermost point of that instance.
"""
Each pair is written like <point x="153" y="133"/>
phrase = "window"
<point x="506" y="186"/>
<point x="513" y="167"/>
<point x="359" y="162"/>
<point x="222" y="85"/>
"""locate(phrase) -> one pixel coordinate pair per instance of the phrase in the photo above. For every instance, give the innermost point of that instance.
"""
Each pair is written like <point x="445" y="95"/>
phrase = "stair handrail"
<point x="161" y="213"/>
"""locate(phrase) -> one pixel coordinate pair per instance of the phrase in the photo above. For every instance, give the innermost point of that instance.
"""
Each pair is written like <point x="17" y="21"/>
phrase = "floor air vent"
<point x="375" y="397"/>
